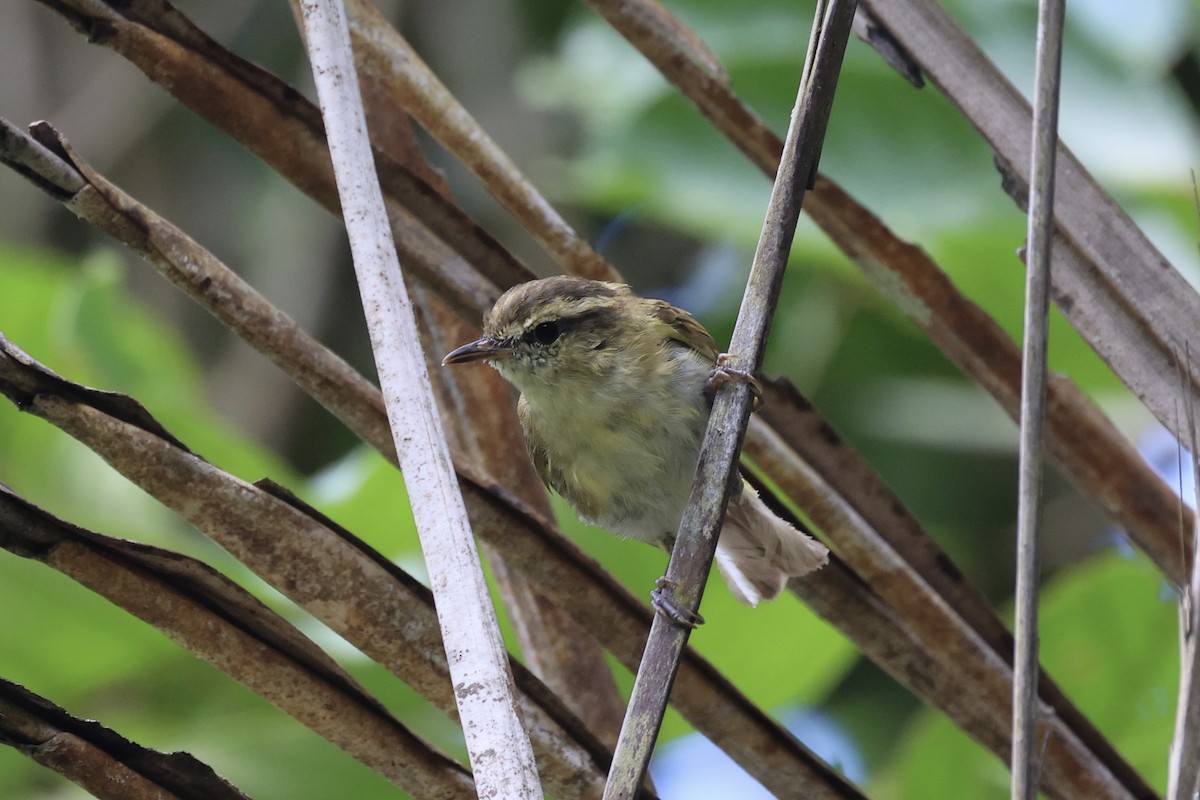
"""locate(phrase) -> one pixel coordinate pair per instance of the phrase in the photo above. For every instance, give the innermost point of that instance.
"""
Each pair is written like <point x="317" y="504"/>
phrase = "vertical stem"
<point x="1183" y="766"/>
<point x="499" y="749"/>
<point x="1033" y="396"/>
<point x="697" y="537"/>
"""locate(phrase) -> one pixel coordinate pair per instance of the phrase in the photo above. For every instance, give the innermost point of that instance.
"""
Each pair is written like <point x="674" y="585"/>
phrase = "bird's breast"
<point x="625" y="464"/>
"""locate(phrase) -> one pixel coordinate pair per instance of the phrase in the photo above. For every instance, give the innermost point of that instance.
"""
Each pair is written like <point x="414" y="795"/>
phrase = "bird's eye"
<point x="546" y="332"/>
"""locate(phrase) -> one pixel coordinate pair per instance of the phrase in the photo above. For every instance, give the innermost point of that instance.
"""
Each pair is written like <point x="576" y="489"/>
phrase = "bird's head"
<point x="554" y="332"/>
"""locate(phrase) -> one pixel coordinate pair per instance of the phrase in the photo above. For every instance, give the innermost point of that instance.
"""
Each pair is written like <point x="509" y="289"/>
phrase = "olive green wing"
<point x="680" y="326"/>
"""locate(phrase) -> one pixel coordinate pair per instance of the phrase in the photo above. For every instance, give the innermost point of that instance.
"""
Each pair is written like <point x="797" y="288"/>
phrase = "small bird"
<point x="614" y="403"/>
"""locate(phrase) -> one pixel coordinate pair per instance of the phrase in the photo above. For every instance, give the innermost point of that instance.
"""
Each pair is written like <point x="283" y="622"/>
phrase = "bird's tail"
<point x="757" y="551"/>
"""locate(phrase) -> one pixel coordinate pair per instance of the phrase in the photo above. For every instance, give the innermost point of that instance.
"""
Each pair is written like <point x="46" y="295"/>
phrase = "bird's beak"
<point x="479" y="350"/>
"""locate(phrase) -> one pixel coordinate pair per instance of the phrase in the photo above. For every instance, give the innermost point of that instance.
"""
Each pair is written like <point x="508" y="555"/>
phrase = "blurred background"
<point x="678" y="210"/>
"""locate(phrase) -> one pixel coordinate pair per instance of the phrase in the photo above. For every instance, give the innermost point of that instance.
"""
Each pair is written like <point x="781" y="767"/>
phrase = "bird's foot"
<point x="664" y="601"/>
<point x="724" y="371"/>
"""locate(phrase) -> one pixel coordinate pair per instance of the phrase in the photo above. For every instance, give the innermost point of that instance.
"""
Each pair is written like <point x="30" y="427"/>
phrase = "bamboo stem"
<point x="1025" y="759"/>
<point x="698" y="530"/>
<point x="499" y="749"/>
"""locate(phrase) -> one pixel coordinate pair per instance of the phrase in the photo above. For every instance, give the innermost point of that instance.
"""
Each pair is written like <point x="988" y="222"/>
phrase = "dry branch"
<point x="363" y="597"/>
<point x="1118" y="291"/>
<point x="797" y="443"/>
<point x="384" y="54"/>
<point x="1184" y="761"/>
<point x="1025" y="766"/>
<point x="282" y="128"/>
<point x="220" y="622"/>
<point x="1075" y="765"/>
<point x="696" y="542"/>
<point x="1080" y="435"/>
<point x="1183" y="764"/>
<point x="477" y="410"/>
<point x="103" y="762"/>
<point x="526" y="539"/>
<point x="1094" y="454"/>
<point x="498" y="746"/>
<point x="1120" y="484"/>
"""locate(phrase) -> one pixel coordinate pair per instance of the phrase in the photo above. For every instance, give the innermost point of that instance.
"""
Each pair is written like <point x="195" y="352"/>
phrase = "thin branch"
<point x="1095" y="455"/>
<point x="276" y="123"/>
<point x="382" y="52"/>
<point x="223" y="624"/>
<point x="100" y="760"/>
<point x="525" y="538"/>
<point x="41" y="166"/>
<point x="1084" y="442"/>
<point x="1183" y="775"/>
<point x="719" y="725"/>
<point x="304" y="555"/>
<point x="931" y="300"/>
<point x="481" y="420"/>
<point x="1075" y="767"/>
<point x="697" y="539"/>
<point x="1025" y="767"/>
<point x="481" y="423"/>
<point x="1111" y="283"/>
<point x="500" y="752"/>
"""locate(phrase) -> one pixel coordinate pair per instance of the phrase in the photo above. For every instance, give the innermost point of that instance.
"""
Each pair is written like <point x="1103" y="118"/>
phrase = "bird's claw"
<point x="664" y="601"/>
<point x="724" y="371"/>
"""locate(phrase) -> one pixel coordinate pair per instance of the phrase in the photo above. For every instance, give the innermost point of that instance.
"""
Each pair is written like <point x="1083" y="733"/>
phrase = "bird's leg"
<point x="664" y="601"/>
<point x="724" y="371"/>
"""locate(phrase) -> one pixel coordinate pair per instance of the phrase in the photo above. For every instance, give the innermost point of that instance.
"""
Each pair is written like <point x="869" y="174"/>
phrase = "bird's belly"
<point x="633" y="482"/>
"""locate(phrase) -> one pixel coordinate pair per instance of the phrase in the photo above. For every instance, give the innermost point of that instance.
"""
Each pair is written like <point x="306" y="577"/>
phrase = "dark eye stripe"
<point x="550" y="331"/>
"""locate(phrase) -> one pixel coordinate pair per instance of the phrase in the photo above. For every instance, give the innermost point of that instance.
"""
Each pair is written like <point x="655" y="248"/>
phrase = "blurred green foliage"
<point x="63" y="642"/>
<point x="69" y="645"/>
<point x="635" y="149"/>
<point x="1108" y="633"/>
